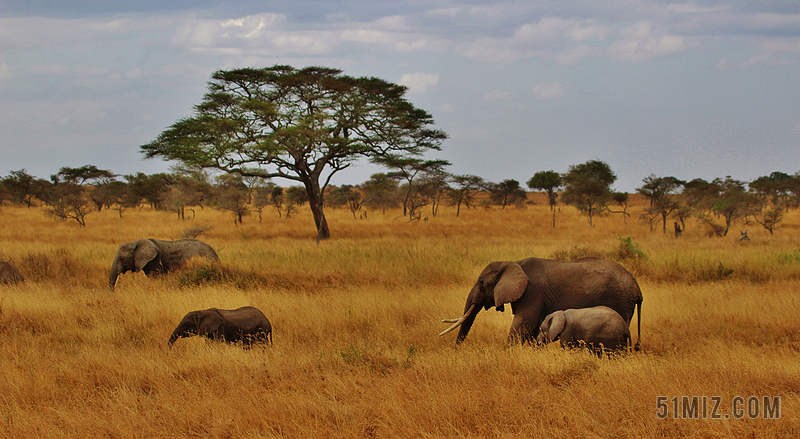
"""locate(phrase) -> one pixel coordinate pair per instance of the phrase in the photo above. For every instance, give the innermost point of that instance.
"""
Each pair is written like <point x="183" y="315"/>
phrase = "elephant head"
<point x="197" y="322"/>
<point x="133" y="256"/>
<point x="551" y="328"/>
<point x="499" y="283"/>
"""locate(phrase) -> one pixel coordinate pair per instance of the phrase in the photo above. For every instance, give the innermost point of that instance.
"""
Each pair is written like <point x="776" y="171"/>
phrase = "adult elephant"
<point x="537" y="287"/>
<point x="246" y="324"/>
<point x="156" y="256"/>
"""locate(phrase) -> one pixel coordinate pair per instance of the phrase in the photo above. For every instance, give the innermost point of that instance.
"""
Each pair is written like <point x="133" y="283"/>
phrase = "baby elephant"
<point x="246" y="324"/>
<point x="598" y="328"/>
<point x="9" y="273"/>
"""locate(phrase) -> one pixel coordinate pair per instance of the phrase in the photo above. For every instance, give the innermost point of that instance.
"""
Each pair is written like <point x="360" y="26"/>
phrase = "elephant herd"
<point x="588" y="302"/>
<point x="152" y="256"/>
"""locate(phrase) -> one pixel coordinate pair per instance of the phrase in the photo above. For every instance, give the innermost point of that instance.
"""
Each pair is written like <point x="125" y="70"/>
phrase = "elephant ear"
<point x="144" y="252"/>
<point x="511" y="284"/>
<point x="557" y="322"/>
<point x="209" y="321"/>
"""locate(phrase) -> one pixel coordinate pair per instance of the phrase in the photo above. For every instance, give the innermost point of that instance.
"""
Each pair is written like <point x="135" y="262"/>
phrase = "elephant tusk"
<point x="456" y="322"/>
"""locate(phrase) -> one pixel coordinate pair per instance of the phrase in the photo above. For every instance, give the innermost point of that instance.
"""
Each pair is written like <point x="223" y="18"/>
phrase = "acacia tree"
<point x="408" y="169"/>
<point x="661" y="191"/>
<point x="777" y="186"/>
<point x="303" y="125"/>
<point x="20" y="186"/>
<point x="549" y="182"/>
<point x="588" y="187"/>
<point x="466" y="187"/>
<point x="733" y="203"/>
<point x="507" y="192"/>
<point x="381" y="191"/>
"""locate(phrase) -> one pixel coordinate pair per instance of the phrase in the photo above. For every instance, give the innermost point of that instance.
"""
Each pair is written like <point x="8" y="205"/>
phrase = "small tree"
<point x="621" y="199"/>
<point x="381" y="192"/>
<point x="662" y="193"/>
<point x="69" y="198"/>
<point x="407" y="170"/>
<point x="700" y="194"/>
<point x="588" y="187"/>
<point x="67" y="201"/>
<point x="465" y="190"/>
<point x="768" y="216"/>
<point x="549" y="182"/>
<point x="507" y="192"/>
<point x="733" y="202"/>
<point x="434" y="186"/>
<point x="268" y="194"/>
<point x="777" y="186"/>
<point x="296" y="195"/>
<point x="346" y="194"/>
<point x="20" y="187"/>
<point x="153" y="189"/>
<point x="190" y="187"/>
<point x="232" y="195"/>
<point x="771" y="198"/>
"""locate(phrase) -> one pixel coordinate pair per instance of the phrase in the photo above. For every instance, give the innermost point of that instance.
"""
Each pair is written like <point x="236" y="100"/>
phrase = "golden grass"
<point x="356" y="318"/>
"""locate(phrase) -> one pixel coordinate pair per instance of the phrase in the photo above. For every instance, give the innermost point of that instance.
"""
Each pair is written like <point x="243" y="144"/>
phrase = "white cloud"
<point x="691" y="8"/>
<point x="490" y="50"/>
<point x="419" y="83"/>
<point x="554" y="29"/>
<point x="366" y="36"/>
<point x="134" y="74"/>
<point x="5" y="71"/>
<point x="641" y="41"/>
<point x="497" y="95"/>
<point x="415" y="46"/>
<point x="548" y="90"/>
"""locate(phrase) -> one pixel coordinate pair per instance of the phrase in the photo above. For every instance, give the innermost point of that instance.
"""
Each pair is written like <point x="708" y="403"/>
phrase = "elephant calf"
<point x="9" y="273"/>
<point x="598" y="328"/>
<point x="246" y="324"/>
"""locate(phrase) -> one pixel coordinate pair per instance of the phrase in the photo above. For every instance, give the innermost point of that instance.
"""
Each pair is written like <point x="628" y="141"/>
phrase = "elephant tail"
<point x="638" y="325"/>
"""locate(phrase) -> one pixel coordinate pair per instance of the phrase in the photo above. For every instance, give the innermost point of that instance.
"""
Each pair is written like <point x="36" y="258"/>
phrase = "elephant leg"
<point x="523" y="330"/>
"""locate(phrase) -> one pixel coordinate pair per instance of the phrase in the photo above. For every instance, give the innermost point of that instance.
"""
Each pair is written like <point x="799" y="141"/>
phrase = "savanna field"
<point x="356" y="319"/>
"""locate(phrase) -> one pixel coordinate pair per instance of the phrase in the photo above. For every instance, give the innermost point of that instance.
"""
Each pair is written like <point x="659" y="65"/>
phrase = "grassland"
<point x="356" y="318"/>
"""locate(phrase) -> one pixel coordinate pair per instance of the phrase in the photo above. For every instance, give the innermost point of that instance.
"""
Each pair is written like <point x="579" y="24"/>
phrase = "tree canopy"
<point x="588" y="187"/>
<point x="660" y="191"/>
<point x="300" y="124"/>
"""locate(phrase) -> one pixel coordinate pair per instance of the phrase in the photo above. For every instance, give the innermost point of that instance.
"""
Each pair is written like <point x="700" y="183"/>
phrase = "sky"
<point x="703" y="89"/>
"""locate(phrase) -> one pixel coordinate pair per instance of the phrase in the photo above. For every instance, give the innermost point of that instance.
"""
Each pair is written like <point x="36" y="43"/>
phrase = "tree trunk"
<point x="315" y="202"/>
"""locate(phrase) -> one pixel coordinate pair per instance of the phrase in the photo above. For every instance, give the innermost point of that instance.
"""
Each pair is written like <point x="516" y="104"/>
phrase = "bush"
<point x="627" y="250"/>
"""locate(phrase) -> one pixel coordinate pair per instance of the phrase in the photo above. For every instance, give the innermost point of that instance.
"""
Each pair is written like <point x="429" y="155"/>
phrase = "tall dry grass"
<point x="356" y="351"/>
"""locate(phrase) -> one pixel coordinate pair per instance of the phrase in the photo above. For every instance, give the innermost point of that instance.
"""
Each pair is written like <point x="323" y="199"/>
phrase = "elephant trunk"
<point x="469" y="318"/>
<point x="465" y="322"/>
<point x="113" y="274"/>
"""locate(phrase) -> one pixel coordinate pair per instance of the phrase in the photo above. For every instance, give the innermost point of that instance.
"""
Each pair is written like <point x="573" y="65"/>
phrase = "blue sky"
<point x="701" y="89"/>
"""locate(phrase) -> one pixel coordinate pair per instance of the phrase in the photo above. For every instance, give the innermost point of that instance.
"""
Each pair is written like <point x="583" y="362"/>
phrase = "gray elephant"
<point x="9" y="273"/>
<point x="537" y="287"/>
<point x="598" y="328"/>
<point x="246" y="324"/>
<point x="155" y="256"/>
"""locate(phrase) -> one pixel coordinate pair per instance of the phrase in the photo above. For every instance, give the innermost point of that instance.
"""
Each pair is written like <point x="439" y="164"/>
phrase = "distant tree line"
<point x="416" y="186"/>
